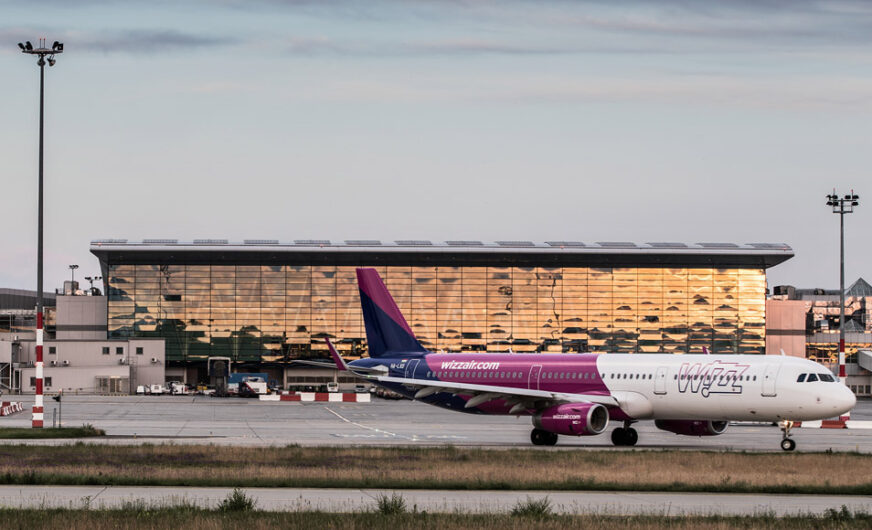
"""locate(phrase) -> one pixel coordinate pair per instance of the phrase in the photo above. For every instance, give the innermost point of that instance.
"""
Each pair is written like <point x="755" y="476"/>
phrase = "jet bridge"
<point x="864" y="359"/>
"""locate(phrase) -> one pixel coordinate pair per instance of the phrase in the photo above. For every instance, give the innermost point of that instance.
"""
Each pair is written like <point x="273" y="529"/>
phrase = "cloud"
<point x="131" y="41"/>
<point x="149" y="41"/>
<point x="741" y="23"/>
<point x="468" y="47"/>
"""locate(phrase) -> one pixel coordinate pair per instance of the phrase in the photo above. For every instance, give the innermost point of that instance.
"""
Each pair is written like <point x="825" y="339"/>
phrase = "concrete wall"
<point x="300" y="377"/>
<point x="5" y="352"/>
<point x="81" y="317"/>
<point x="785" y="327"/>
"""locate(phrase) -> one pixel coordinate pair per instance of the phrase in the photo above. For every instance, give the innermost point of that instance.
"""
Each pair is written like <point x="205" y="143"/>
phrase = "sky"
<point x="678" y="120"/>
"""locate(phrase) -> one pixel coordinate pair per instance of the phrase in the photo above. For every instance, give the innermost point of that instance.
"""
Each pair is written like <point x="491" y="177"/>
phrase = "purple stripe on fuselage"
<point x="570" y="373"/>
<point x="370" y="283"/>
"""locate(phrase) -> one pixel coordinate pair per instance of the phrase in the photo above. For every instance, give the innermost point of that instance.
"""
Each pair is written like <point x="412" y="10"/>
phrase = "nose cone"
<point x="844" y="400"/>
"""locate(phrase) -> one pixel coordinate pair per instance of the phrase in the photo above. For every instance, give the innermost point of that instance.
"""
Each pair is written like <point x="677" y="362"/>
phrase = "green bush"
<point x="535" y="508"/>
<point x="394" y="504"/>
<point x="237" y="501"/>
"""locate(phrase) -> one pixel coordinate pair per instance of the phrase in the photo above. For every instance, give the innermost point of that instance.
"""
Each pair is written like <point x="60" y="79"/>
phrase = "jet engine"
<point x="693" y="427"/>
<point x="575" y="419"/>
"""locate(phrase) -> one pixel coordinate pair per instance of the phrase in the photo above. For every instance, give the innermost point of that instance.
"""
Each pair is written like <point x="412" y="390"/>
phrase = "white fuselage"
<point x="722" y="387"/>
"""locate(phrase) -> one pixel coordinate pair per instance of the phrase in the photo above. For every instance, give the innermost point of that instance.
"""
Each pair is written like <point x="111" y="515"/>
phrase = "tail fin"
<point x="386" y="329"/>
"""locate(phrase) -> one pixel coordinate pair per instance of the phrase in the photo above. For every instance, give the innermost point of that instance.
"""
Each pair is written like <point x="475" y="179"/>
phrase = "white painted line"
<point x="373" y="429"/>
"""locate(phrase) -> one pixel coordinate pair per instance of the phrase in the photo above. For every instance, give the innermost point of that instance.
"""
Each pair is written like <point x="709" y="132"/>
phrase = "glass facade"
<point x="275" y="313"/>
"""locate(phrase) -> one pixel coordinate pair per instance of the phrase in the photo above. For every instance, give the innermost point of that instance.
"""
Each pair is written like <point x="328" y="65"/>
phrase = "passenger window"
<point x="811" y="378"/>
<point x="801" y="378"/>
<point x="755" y="378"/>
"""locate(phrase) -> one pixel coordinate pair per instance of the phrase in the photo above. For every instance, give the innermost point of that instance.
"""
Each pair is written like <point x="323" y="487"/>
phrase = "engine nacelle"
<point x="693" y="427"/>
<point x="575" y="419"/>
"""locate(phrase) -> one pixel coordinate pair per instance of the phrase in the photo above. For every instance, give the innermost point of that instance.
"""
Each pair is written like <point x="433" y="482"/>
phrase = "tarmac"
<point x="249" y="422"/>
<point x="357" y="500"/>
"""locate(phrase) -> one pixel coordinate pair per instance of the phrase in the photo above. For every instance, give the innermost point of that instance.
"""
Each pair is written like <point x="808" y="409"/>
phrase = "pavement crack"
<point x="182" y="428"/>
<point x="253" y="431"/>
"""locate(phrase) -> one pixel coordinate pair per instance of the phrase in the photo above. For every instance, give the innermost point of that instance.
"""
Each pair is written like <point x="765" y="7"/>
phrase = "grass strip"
<point x="195" y="518"/>
<point x="28" y="433"/>
<point x="437" y="468"/>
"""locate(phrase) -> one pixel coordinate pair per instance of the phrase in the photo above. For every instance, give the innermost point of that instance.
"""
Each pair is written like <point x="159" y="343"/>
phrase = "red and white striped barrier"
<point x="834" y="424"/>
<point x="8" y="408"/>
<point x="332" y="397"/>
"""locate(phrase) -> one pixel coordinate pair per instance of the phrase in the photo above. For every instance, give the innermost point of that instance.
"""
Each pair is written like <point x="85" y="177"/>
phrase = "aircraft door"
<point x="410" y="368"/>
<point x="770" y="374"/>
<point x="533" y="381"/>
<point x="660" y="380"/>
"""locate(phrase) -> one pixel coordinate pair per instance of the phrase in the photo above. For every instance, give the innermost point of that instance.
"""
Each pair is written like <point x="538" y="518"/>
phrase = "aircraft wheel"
<point x="537" y="436"/>
<point x="550" y="438"/>
<point x="788" y="445"/>
<point x="619" y="436"/>
<point x="631" y="436"/>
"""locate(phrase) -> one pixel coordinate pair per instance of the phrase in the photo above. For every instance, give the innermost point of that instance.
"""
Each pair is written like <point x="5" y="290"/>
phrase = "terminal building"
<point x="265" y="304"/>
<point x="805" y="322"/>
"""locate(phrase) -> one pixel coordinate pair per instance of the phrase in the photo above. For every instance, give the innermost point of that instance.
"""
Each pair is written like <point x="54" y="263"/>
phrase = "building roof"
<point x="448" y="253"/>
<point x="859" y="288"/>
<point x="23" y="299"/>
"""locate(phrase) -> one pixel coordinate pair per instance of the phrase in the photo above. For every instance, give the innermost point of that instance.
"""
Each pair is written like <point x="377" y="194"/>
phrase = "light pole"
<point x="73" y="272"/>
<point x="841" y="206"/>
<point x="91" y="280"/>
<point x="45" y="55"/>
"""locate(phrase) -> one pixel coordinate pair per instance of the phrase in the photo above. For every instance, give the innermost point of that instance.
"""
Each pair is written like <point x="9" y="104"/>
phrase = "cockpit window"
<point x="801" y="378"/>
<point x="826" y="378"/>
<point x="812" y="378"/>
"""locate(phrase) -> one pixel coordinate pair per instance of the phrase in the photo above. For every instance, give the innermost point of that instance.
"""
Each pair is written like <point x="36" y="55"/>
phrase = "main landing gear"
<point x="786" y="442"/>
<point x="625" y="435"/>
<point x="540" y="437"/>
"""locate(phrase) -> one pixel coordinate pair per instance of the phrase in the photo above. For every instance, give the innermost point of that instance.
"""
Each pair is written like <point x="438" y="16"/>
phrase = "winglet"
<point x="340" y="363"/>
<point x="706" y="351"/>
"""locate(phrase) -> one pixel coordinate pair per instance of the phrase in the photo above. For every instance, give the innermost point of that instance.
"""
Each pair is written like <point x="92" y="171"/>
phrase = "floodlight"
<point x="28" y="46"/>
<point x="21" y="46"/>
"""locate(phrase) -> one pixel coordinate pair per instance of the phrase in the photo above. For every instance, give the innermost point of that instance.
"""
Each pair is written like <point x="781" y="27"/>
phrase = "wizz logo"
<point x="716" y="377"/>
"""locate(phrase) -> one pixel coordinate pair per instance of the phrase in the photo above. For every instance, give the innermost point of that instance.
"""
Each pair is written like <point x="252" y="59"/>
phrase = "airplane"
<point x="579" y="394"/>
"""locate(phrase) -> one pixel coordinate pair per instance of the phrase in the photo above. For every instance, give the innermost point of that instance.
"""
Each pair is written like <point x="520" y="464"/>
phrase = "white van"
<point x="332" y="387"/>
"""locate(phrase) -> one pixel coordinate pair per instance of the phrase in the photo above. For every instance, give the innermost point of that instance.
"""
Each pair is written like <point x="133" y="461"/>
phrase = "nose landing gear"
<point x="786" y="442"/>
<point x="625" y="435"/>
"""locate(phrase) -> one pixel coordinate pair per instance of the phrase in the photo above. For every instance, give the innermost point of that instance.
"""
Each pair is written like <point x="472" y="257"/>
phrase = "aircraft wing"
<point x="484" y="393"/>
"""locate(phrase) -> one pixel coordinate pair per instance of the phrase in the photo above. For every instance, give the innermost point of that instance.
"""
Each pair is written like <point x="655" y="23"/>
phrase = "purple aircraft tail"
<point x="386" y="329"/>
